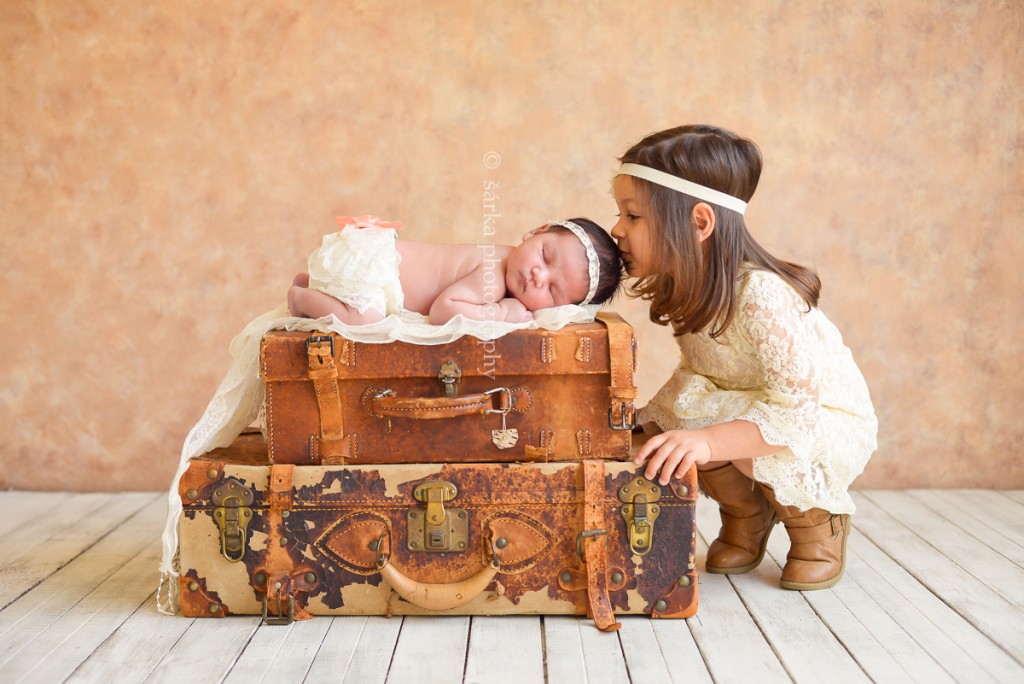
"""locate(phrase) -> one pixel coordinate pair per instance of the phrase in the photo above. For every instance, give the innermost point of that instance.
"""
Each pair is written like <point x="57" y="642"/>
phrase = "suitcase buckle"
<point x="584" y="535"/>
<point x="622" y="425"/>
<point x="281" y="618"/>
<point x="318" y="340"/>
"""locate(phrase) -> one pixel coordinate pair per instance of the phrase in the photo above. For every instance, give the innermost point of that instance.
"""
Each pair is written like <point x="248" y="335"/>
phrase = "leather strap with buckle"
<point x="594" y="541"/>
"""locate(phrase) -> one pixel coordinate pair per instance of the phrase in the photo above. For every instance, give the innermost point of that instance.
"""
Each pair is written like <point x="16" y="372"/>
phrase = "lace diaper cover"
<point x="359" y="266"/>
<point x="786" y="370"/>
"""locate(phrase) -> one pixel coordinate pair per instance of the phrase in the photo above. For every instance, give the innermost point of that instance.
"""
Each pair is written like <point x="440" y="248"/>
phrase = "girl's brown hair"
<point x="693" y="284"/>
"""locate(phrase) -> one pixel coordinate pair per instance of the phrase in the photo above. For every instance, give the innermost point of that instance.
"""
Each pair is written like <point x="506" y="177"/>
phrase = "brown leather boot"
<point x="747" y="519"/>
<point x="817" y="551"/>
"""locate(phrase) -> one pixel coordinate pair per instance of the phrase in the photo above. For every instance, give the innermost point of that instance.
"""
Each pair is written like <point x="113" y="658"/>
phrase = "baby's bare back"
<point x="429" y="268"/>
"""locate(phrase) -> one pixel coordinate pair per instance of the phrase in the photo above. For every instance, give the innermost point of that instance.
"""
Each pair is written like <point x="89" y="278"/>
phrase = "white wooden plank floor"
<point x="934" y="592"/>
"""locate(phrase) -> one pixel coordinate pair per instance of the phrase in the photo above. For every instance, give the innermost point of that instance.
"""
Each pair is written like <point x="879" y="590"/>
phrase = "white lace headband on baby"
<point x="684" y="186"/>
<point x="593" y="263"/>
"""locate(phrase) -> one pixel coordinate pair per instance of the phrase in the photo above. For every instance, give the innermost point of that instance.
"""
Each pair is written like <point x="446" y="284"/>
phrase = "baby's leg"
<point x="308" y="303"/>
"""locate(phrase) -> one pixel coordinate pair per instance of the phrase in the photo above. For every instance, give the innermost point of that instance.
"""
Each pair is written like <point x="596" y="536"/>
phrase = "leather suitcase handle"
<point x="443" y="596"/>
<point x="383" y="403"/>
<point x="438" y="596"/>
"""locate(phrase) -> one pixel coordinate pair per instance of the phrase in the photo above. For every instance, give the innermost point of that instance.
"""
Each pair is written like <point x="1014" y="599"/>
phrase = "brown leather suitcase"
<point x="532" y="395"/>
<point x="591" y="537"/>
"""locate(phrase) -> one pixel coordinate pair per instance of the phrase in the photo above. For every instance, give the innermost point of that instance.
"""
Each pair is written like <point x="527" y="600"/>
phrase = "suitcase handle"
<point x="438" y="596"/>
<point x="383" y="403"/>
<point x="434" y="596"/>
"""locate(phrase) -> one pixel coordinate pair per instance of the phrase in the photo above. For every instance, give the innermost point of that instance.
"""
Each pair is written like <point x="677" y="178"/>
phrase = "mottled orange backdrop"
<point x="165" y="168"/>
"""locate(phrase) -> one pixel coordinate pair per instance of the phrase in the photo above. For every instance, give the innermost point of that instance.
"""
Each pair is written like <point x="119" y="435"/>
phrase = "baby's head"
<point x="564" y="262"/>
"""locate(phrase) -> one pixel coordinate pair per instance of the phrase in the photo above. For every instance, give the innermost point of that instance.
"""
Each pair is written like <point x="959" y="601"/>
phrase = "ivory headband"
<point x="684" y="186"/>
<point x="593" y="262"/>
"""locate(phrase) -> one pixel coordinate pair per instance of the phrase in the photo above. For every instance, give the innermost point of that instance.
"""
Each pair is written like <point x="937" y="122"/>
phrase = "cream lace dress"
<point x="787" y="371"/>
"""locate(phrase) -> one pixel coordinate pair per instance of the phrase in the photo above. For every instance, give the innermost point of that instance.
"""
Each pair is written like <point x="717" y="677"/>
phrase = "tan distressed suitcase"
<point x="532" y="395"/>
<point x="591" y="537"/>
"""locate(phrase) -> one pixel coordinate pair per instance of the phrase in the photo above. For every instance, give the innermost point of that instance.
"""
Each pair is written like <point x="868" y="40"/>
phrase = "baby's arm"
<point x="474" y="297"/>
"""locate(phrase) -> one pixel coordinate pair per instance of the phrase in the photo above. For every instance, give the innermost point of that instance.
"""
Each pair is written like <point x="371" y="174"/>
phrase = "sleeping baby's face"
<point x="549" y="268"/>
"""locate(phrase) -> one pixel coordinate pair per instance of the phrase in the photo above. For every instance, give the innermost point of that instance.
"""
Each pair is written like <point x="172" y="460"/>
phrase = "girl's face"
<point x="632" y="231"/>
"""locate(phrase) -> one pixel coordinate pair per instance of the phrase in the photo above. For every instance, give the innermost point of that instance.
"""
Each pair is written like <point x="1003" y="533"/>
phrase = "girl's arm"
<point x="771" y="316"/>
<point x="674" y="452"/>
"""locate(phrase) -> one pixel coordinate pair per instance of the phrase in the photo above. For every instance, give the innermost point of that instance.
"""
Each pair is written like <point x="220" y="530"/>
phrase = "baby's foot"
<point x="301" y="280"/>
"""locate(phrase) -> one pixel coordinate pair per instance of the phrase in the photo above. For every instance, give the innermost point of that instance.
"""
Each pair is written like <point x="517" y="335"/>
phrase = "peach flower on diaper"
<point x="366" y="221"/>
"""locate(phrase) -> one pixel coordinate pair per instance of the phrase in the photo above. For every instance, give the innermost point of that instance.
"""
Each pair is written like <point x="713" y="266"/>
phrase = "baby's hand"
<point x="515" y="311"/>
<point x="673" y="453"/>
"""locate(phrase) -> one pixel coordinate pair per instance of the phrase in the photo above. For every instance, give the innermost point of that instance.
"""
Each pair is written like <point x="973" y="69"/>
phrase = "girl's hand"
<point x="673" y="453"/>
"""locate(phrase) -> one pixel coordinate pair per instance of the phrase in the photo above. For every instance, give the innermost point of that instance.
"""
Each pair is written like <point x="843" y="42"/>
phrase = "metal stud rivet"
<point x="285" y="514"/>
<point x="413" y="545"/>
<point x="660" y="605"/>
<point x="192" y="494"/>
<point x="277" y="585"/>
<point x="414" y="515"/>
<point x="214" y="607"/>
<point x="683" y="490"/>
<point x="684" y="581"/>
<point x="193" y="586"/>
<point x="616" y="578"/>
<point x="259" y="578"/>
<point x="566" y="577"/>
<point x="310" y="577"/>
<point x="501" y="543"/>
<point x="462" y="545"/>
<point x="212" y="473"/>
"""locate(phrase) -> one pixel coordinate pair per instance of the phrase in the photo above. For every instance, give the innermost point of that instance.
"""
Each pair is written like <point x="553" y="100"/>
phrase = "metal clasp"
<point x="437" y="529"/>
<point x="640" y="510"/>
<point x="232" y="515"/>
<point x="450" y="375"/>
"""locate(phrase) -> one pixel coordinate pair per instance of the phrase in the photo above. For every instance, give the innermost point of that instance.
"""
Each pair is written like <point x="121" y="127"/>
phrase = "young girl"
<point x="767" y="402"/>
<point x="364" y="272"/>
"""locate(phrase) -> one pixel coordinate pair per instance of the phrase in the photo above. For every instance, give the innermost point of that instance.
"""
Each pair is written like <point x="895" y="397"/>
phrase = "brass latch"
<point x="639" y="510"/>
<point x="232" y="515"/>
<point x="449" y="376"/>
<point x="437" y="529"/>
